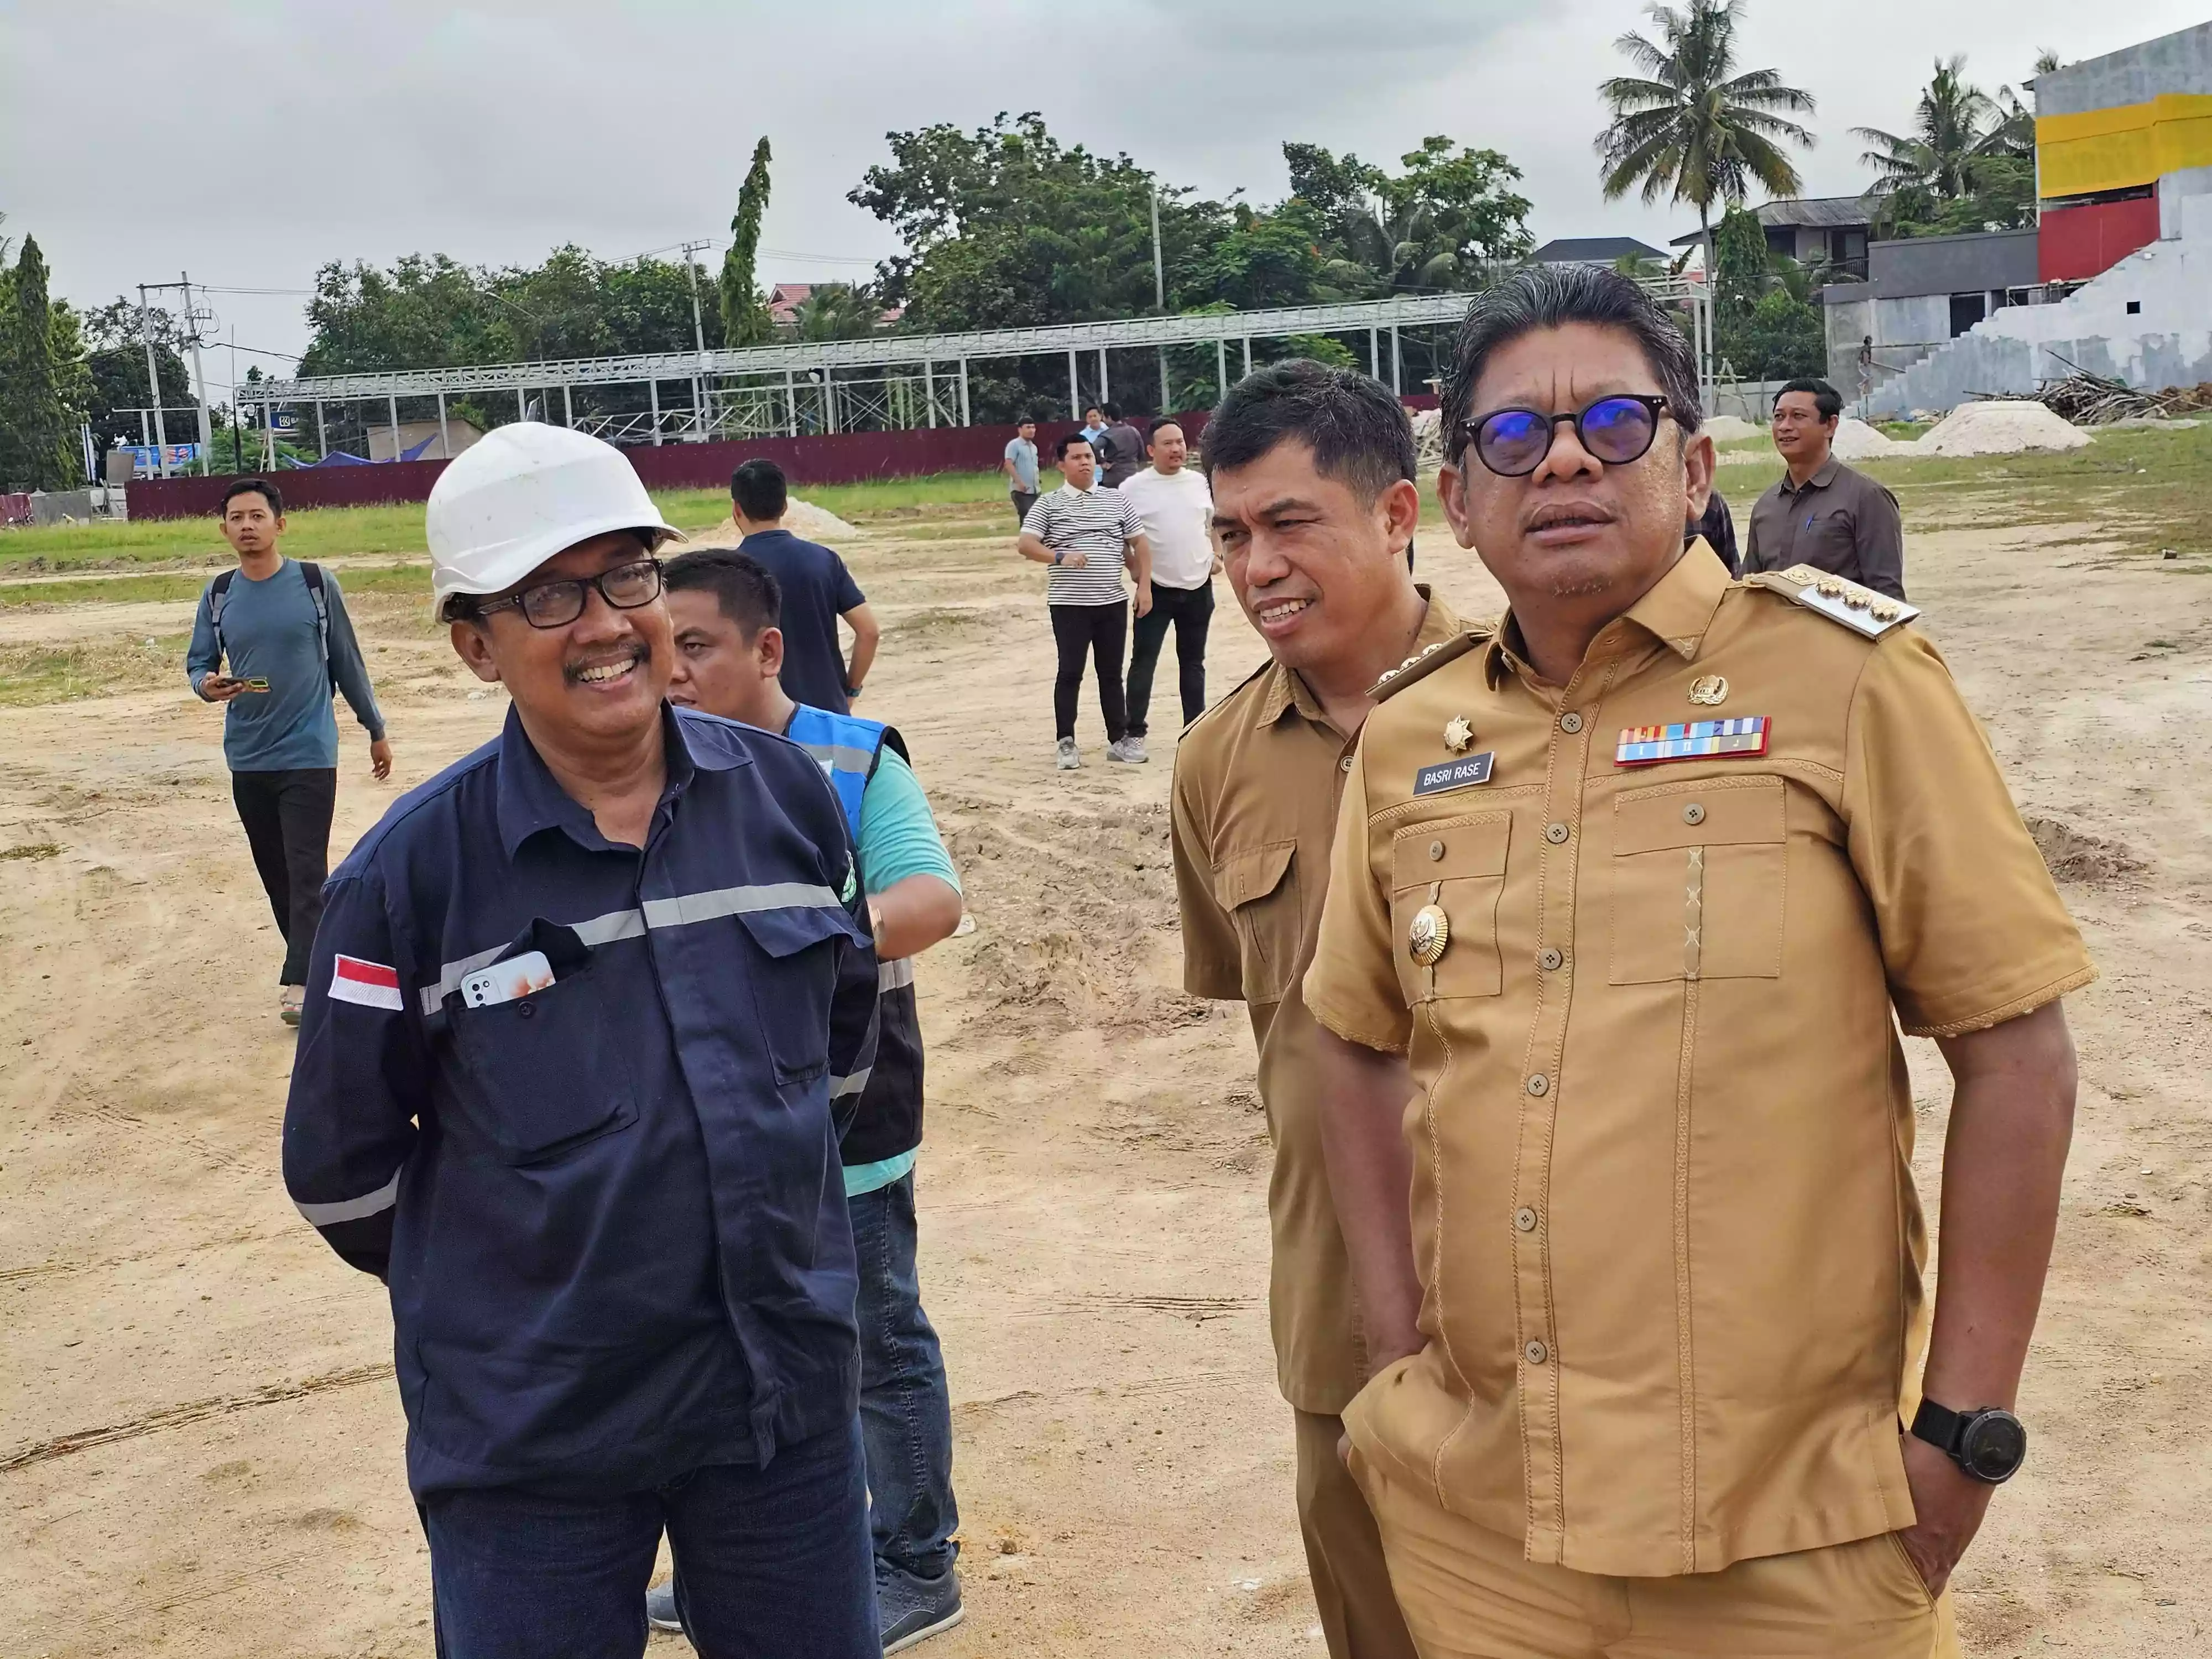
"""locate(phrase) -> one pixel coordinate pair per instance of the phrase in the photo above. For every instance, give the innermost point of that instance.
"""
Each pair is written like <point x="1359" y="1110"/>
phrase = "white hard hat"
<point x="522" y="493"/>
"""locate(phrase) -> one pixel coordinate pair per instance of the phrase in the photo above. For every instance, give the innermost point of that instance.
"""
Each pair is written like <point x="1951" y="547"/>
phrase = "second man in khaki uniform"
<point x="1315" y="504"/>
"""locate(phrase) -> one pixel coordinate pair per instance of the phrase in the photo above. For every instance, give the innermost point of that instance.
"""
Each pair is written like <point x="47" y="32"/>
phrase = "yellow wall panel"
<point x="2129" y="145"/>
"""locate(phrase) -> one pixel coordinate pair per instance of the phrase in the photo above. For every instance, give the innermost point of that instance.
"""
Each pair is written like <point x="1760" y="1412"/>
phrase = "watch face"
<point x="1994" y="1445"/>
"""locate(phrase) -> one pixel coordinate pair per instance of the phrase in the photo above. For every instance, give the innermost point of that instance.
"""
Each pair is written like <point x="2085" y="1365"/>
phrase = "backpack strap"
<point x="218" y="593"/>
<point x="312" y="574"/>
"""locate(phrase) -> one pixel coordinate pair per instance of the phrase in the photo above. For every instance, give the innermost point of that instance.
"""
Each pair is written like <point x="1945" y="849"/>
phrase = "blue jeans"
<point x="768" y="1560"/>
<point x="906" y="1407"/>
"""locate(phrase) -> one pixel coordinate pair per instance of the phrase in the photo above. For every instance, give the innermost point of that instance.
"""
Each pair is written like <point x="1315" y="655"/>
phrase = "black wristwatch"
<point x="1990" y="1445"/>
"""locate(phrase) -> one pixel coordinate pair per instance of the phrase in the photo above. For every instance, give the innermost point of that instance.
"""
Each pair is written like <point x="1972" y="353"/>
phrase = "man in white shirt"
<point x="1178" y="510"/>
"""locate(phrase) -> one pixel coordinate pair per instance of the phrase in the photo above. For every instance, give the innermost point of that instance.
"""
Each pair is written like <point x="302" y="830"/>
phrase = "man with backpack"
<point x="269" y="642"/>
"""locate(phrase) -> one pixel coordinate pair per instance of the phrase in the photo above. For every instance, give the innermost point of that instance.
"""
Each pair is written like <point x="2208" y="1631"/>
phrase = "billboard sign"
<point x="145" y="460"/>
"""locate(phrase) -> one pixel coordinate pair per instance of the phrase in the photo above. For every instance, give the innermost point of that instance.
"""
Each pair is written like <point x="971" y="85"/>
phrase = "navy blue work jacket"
<point x="610" y="1213"/>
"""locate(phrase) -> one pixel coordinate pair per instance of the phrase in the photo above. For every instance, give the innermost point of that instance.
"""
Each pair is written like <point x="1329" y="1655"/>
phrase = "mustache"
<point x="640" y="652"/>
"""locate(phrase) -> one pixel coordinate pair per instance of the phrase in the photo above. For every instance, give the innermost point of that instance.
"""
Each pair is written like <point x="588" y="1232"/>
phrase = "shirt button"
<point x="1694" y="813"/>
<point x="1550" y="961"/>
<point x="1556" y="834"/>
<point x="1536" y="1353"/>
<point x="1571" y="722"/>
<point x="1539" y="1084"/>
<point x="1525" y="1219"/>
<point x="526" y="1010"/>
<point x="1345" y="765"/>
<point x="1436" y="850"/>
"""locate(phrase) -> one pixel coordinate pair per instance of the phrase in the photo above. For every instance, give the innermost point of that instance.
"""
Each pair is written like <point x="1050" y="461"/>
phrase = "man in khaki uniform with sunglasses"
<point x="1633" y="887"/>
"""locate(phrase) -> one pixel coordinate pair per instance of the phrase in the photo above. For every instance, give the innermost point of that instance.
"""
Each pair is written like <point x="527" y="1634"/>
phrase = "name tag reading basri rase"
<point x="1455" y="773"/>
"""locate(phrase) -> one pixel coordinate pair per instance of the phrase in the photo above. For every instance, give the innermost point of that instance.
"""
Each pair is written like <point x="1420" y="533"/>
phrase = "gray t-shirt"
<point x="270" y="632"/>
<point x="1022" y="453"/>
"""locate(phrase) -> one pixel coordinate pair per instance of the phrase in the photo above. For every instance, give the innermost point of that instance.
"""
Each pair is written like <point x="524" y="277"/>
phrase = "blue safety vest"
<point x="889" y="1122"/>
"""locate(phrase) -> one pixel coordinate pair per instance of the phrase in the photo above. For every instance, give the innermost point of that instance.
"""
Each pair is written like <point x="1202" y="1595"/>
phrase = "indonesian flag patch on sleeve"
<point x="371" y="984"/>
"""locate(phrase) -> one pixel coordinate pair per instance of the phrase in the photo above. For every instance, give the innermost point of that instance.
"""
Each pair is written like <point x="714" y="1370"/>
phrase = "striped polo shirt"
<point x="1096" y="522"/>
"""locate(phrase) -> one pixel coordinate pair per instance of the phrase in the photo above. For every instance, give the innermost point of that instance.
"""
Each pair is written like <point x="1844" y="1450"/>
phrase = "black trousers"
<point x="1191" y="610"/>
<point x="287" y="817"/>
<point x="1102" y="632"/>
<point x="1024" y="501"/>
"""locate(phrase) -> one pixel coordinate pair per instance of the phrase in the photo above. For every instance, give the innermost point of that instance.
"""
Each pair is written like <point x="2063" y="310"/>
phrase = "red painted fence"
<point x="831" y="459"/>
<point x="2074" y="244"/>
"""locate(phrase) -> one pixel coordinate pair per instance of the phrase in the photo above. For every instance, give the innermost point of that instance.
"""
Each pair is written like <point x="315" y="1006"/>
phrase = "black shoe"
<point x="912" y="1610"/>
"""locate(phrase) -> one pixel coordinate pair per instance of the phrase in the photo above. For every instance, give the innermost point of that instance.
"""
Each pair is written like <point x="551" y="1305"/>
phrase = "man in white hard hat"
<point x="586" y="1016"/>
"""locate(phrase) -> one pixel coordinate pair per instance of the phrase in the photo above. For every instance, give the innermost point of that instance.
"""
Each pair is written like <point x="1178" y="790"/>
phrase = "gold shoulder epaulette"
<point x="1428" y="660"/>
<point x="1859" y="609"/>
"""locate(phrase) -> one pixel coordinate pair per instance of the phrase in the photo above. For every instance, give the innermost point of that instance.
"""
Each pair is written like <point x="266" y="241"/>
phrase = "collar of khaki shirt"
<point x="1676" y="613"/>
<point x="1282" y="689"/>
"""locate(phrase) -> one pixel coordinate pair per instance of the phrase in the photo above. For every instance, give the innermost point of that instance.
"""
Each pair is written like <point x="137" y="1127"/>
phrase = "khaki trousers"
<point x="1469" y="1593"/>
<point x="1360" y="1614"/>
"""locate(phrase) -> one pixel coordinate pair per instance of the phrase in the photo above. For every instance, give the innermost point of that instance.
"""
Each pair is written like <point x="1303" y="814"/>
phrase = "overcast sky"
<point x="248" y="144"/>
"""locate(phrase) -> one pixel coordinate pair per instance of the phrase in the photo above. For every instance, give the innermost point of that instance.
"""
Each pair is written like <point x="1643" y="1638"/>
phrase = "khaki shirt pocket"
<point x="1457" y="865"/>
<point x="1699" y="870"/>
<point x="1259" y="888"/>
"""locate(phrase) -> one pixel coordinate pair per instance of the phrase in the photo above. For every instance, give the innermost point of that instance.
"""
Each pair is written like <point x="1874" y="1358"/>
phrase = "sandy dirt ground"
<point x="200" y="1440"/>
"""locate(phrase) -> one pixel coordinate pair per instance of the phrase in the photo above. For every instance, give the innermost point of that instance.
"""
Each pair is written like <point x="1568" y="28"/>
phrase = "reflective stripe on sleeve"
<point x="841" y="1086"/>
<point x="891" y="976"/>
<point x="353" y="1209"/>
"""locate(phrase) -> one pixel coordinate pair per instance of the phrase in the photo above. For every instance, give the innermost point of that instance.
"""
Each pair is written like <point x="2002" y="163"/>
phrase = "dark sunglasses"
<point x="558" y="604"/>
<point x="1513" y="442"/>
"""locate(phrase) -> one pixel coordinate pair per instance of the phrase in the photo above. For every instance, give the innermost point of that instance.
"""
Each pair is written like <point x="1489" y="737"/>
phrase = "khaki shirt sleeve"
<point x="1973" y="932"/>
<point x="1212" y="964"/>
<point x="1352" y="986"/>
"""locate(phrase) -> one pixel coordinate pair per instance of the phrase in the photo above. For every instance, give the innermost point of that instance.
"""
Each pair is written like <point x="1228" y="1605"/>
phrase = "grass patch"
<point x="175" y="586"/>
<point x="31" y="674"/>
<point x="36" y="850"/>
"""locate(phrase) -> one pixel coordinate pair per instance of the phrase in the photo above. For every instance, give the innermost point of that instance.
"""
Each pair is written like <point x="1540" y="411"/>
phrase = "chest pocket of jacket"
<point x="1699" y="877"/>
<point x="1457" y="865"/>
<point x="543" y="1076"/>
<point x="794" y="987"/>
<point x="1259" y="888"/>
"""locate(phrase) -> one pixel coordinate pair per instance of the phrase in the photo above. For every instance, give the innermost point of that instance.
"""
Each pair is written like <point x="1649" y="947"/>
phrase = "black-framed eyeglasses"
<point x="1615" y="430"/>
<point x="558" y="604"/>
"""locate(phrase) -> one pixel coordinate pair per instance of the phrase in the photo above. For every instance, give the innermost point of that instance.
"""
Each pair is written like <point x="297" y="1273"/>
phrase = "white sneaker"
<point x="1130" y="751"/>
<point x="1068" y="759"/>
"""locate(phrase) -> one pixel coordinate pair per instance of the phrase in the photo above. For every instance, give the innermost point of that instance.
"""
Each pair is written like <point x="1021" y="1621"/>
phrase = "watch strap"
<point x="1939" y="1426"/>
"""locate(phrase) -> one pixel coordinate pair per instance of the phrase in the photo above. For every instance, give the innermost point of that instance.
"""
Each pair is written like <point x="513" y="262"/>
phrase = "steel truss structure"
<point x="919" y="380"/>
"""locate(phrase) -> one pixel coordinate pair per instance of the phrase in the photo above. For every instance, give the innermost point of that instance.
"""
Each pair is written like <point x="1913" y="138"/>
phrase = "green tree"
<point x="38" y="449"/>
<point x="1949" y="124"/>
<point x="1967" y="164"/>
<point x="745" y="320"/>
<point x="1691" y="129"/>
<point x="838" y="311"/>
<point x="115" y="371"/>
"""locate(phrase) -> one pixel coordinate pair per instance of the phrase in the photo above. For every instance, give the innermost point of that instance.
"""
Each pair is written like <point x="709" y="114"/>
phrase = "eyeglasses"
<point x="1513" y="442"/>
<point x="558" y="604"/>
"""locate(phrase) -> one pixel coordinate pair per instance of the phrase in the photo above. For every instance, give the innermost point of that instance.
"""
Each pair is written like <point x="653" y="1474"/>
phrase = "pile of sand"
<point x="1727" y="429"/>
<point x="1998" y="428"/>
<point x="1858" y="441"/>
<point x="801" y="518"/>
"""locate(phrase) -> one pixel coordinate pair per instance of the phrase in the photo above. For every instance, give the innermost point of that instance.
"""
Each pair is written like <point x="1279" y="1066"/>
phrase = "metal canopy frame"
<point x="938" y="355"/>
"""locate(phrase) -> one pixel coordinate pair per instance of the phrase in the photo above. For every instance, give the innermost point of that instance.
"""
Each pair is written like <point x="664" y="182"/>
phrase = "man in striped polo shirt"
<point x="1085" y="534"/>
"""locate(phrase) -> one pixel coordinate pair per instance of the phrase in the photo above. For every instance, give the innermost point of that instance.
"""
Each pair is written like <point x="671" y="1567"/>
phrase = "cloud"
<point x="251" y="142"/>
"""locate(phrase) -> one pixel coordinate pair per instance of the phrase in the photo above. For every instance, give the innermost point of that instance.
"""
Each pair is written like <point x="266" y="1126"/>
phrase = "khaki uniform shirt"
<point x="1840" y="521"/>
<point x="1257" y="778"/>
<point x="1662" y="1204"/>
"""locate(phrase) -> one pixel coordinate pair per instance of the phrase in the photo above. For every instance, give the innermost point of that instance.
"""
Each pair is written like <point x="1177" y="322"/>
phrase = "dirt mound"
<point x="1858" y="441"/>
<point x="2091" y="860"/>
<point x="800" y="519"/>
<point x="1727" y="429"/>
<point x="2000" y="427"/>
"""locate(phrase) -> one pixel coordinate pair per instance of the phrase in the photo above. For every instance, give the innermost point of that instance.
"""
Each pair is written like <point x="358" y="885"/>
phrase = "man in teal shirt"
<point x="270" y="641"/>
<point x="729" y="661"/>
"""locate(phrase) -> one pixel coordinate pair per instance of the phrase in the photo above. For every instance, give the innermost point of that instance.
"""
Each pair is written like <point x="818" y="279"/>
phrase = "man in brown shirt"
<point x="1314" y="506"/>
<point x="1636" y="884"/>
<point x="1821" y="513"/>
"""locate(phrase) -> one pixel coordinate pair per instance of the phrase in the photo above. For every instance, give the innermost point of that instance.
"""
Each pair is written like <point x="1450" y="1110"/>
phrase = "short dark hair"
<point x="744" y="588"/>
<point x="1153" y="430"/>
<point x="758" y="488"/>
<point x="251" y="486"/>
<point x="1357" y="429"/>
<point x="1113" y="411"/>
<point x="1088" y="408"/>
<point x="1060" y="450"/>
<point x="1552" y="297"/>
<point x="1026" y="420"/>
<point x="1826" y="398"/>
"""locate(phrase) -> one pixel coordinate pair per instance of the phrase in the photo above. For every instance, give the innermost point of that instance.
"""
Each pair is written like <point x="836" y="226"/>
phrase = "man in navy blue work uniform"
<point x="586" y="1016"/>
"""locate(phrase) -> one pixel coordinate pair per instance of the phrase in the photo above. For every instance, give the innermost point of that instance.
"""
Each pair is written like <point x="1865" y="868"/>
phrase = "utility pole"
<point x="237" y="449"/>
<point x="154" y="380"/>
<point x="1159" y="293"/>
<point x="199" y="374"/>
<point x="699" y="340"/>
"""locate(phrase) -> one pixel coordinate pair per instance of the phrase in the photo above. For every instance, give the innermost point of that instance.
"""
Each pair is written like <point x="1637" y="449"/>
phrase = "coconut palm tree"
<point x="1688" y="127"/>
<point x="838" y="311"/>
<point x="1951" y="123"/>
